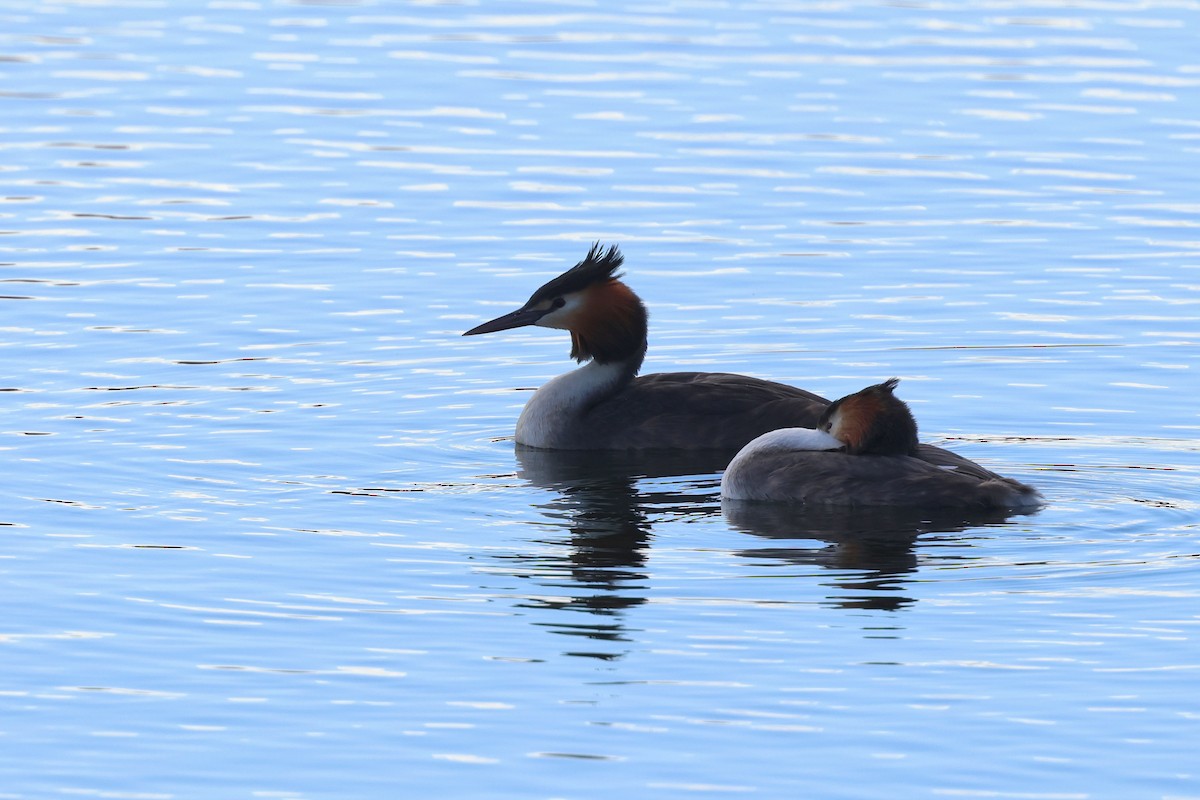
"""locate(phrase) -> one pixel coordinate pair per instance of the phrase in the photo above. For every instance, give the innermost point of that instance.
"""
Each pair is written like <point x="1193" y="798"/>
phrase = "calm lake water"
<point x="265" y="532"/>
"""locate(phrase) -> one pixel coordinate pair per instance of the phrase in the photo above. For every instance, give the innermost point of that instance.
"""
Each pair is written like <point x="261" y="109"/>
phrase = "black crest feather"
<point x="600" y="264"/>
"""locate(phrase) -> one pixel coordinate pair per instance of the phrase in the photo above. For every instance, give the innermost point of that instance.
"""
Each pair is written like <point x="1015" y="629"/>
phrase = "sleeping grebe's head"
<point x="607" y="321"/>
<point x="872" y="421"/>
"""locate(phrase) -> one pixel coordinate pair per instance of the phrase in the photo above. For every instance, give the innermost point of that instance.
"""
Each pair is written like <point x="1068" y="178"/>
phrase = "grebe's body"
<point x="605" y="405"/>
<point x="864" y="452"/>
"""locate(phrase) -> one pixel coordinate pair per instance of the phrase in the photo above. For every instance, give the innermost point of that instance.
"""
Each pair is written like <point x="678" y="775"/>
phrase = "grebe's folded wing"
<point x="953" y="461"/>
<point x="693" y="410"/>
<point x="932" y="480"/>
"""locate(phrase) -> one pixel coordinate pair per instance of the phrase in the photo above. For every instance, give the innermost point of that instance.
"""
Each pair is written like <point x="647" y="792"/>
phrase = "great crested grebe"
<point x="604" y="405"/>
<point x="864" y="452"/>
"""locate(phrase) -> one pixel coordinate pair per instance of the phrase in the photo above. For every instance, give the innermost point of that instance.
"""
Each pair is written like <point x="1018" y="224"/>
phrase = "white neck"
<point x="549" y="418"/>
<point x="741" y="481"/>
<point x="792" y="439"/>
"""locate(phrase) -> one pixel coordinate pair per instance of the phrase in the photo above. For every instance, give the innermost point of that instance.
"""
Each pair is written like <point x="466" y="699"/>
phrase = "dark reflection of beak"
<point x="515" y="319"/>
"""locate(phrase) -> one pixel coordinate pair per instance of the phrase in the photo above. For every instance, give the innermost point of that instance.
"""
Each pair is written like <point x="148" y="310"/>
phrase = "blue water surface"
<point x="266" y="534"/>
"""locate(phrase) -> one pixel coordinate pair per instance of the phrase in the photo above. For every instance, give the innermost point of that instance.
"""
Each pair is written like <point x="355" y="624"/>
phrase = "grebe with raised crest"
<point x="864" y="451"/>
<point x="605" y="405"/>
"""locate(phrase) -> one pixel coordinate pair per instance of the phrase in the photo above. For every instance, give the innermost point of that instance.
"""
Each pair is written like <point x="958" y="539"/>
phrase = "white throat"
<point x="549" y="418"/>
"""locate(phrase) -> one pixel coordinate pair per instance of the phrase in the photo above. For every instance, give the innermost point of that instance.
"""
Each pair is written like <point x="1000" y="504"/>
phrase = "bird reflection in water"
<point x="606" y="517"/>
<point x="876" y="545"/>
<point x="606" y="503"/>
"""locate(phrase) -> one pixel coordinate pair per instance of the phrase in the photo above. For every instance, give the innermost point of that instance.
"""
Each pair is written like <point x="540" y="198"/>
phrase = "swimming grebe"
<point x="864" y="451"/>
<point x="603" y="405"/>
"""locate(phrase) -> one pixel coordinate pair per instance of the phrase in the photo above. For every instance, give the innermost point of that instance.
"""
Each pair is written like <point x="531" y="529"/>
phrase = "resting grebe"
<point x="864" y="451"/>
<point x="603" y="406"/>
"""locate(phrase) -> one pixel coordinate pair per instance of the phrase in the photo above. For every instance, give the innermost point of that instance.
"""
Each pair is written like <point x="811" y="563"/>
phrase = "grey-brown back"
<point x="693" y="411"/>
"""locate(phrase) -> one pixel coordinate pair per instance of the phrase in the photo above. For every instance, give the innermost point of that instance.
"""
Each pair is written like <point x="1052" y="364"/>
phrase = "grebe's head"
<point x="872" y="421"/>
<point x="606" y="319"/>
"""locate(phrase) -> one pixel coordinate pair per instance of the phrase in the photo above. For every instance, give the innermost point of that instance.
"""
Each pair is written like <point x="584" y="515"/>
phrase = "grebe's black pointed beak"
<point x="515" y="319"/>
